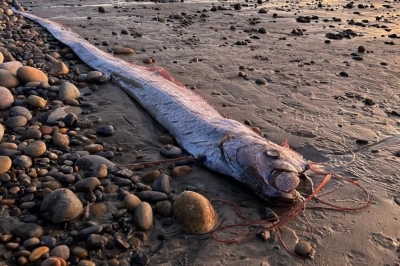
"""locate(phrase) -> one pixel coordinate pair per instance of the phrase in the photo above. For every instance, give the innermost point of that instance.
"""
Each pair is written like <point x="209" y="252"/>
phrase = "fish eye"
<point x="273" y="154"/>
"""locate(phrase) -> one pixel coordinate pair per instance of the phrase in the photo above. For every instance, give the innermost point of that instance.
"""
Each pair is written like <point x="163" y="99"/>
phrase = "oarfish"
<point x="221" y="144"/>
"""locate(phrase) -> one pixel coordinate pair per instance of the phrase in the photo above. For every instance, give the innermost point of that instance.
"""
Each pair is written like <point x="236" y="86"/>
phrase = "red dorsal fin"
<point x="285" y="144"/>
<point x="165" y="74"/>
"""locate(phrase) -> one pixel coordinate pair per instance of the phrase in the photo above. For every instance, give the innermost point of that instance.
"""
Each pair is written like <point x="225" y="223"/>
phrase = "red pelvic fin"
<point x="165" y="74"/>
<point x="285" y="144"/>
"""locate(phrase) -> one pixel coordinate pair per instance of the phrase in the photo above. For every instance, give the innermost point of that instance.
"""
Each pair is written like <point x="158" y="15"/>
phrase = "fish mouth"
<point x="285" y="182"/>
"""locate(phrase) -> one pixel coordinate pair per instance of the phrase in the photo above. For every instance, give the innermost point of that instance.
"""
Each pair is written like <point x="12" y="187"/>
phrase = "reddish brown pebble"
<point x="179" y="171"/>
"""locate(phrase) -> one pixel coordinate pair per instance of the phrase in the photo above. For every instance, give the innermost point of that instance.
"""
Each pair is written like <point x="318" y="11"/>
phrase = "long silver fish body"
<point x="223" y="145"/>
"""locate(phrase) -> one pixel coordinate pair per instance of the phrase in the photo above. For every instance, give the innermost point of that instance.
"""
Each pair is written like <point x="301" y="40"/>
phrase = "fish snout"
<point x="285" y="181"/>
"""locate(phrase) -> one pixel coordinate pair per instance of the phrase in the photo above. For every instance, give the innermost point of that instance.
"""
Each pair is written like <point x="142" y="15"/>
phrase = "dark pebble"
<point x="362" y="141"/>
<point x="170" y="151"/>
<point x="162" y="184"/>
<point x="106" y="130"/>
<point x="152" y="196"/>
<point x="140" y="259"/>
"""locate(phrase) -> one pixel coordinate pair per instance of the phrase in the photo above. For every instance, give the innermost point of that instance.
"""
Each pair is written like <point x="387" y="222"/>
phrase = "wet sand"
<point x="305" y="99"/>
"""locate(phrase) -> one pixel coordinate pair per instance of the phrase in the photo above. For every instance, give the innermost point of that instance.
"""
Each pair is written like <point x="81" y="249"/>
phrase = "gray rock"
<point x="164" y="208"/>
<point x="170" y="151"/>
<point x="61" y="199"/>
<point x="6" y="97"/>
<point x="106" y="130"/>
<point x="94" y="229"/>
<point x="95" y="241"/>
<point x="22" y="161"/>
<point x="86" y="184"/>
<point x="16" y="121"/>
<point x="28" y="230"/>
<point x="143" y="216"/>
<point x="31" y="133"/>
<point x="49" y="241"/>
<point x="61" y="251"/>
<point x="8" y="79"/>
<point x="68" y="90"/>
<point x="20" y="111"/>
<point x="90" y="162"/>
<point x="162" y="184"/>
<point x="1" y="132"/>
<point x="152" y="196"/>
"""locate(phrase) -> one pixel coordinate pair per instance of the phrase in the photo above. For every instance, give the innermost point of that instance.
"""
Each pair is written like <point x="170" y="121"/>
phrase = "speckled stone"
<point x="35" y="149"/>
<point x="60" y="139"/>
<point x="20" y="111"/>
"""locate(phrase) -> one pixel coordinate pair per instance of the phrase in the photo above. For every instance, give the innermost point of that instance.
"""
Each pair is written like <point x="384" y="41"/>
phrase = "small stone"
<point x="5" y="164"/>
<point x="6" y="97"/>
<point x="8" y="79"/>
<point x="93" y="76"/>
<point x="143" y="216"/>
<point x="123" y="50"/>
<point x="86" y="263"/>
<point x="150" y="177"/>
<point x="57" y="69"/>
<point x="93" y="148"/>
<point x="106" y="130"/>
<point x="60" y="139"/>
<point x="89" y="162"/>
<point x="101" y="9"/>
<point x="263" y="11"/>
<point x="179" y="171"/>
<point x="35" y="149"/>
<point x="31" y="242"/>
<point x="27" y="74"/>
<point x="162" y="184"/>
<point x="46" y="130"/>
<point x="11" y="66"/>
<point x="20" y="111"/>
<point x="36" y="101"/>
<point x="262" y="30"/>
<point x="28" y="230"/>
<point x="68" y="90"/>
<point x="16" y="121"/>
<point x="261" y="81"/>
<point x="361" y="49"/>
<point x="362" y="141"/>
<point x="79" y="252"/>
<point x="170" y="151"/>
<point x="52" y="261"/>
<point x="95" y="241"/>
<point x="166" y="139"/>
<point x="195" y="212"/>
<point x="140" y="259"/>
<point x="131" y="202"/>
<point x="86" y="184"/>
<point x="38" y="253"/>
<point x="152" y="196"/>
<point x="148" y="60"/>
<point x="343" y="74"/>
<point x="164" y="208"/>
<point x="100" y="171"/>
<point x="22" y="161"/>
<point x="303" y="248"/>
<point x="61" y="251"/>
<point x="1" y="132"/>
<point x="61" y="199"/>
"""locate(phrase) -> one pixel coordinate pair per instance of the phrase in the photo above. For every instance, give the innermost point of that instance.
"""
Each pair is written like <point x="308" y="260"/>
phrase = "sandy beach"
<point x="322" y="75"/>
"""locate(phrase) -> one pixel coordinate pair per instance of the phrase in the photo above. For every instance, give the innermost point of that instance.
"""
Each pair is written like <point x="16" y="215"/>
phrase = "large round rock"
<point x="195" y="212"/>
<point x="68" y="90"/>
<point x="27" y="74"/>
<point x="5" y="164"/>
<point x="1" y="132"/>
<point x="8" y="79"/>
<point x="6" y="98"/>
<point x="61" y="205"/>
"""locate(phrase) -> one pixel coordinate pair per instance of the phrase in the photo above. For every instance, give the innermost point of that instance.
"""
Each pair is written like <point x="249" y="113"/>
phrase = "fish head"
<point x="272" y="171"/>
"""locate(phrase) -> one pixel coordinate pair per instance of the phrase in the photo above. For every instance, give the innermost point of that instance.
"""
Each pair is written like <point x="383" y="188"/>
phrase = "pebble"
<point x="79" y="252"/>
<point x="164" y="208"/>
<point x="1" y="132"/>
<point x="22" y="161"/>
<point x="5" y="164"/>
<point x="38" y="253"/>
<point x="27" y="74"/>
<point x="141" y="259"/>
<point x="152" y="196"/>
<point x="303" y="248"/>
<point x="261" y="81"/>
<point x="61" y="251"/>
<point x="86" y="263"/>
<point x="87" y="184"/>
<point x="16" y="121"/>
<point x="36" y="101"/>
<point x="60" y="139"/>
<point x="143" y="216"/>
<point x="8" y="79"/>
<point x="131" y="202"/>
<point x="195" y="212"/>
<point x="61" y="199"/>
<point x="182" y="170"/>
<point x="6" y="98"/>
<point x="361" y="49"/>
<point x="170" y="151"/>
<point x="51" y="261"/>
<point x="89" y="162"/>
<point x="57" y="69"/>
<point x="46" y="130"/>
<point x="100" y="171"/>
<point x="28" y="230"/>
<point x="93" y="148"/>
<point x="31" y="242"/>
<point x="11" y="66"/>
<point x="70" y="120"/>
<point x="68" y="90"/>
<point x="35" y="149"/>
<point x="93" y="75"/>
<point x="162" y="184"/>
<point x="20" y="111"/>
<point x="106" y="130"/>
<point x="86" y="232"/>
<point x="95" y="241"/>
<point x="122" y="50"/>
<point x="150" y="177"/>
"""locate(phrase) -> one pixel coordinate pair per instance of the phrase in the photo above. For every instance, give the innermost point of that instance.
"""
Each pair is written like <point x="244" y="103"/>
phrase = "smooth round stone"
<point x="46" y="130"/>
<point x="92" y="76"/>
<point x="89" y="162"/>
<point x="8" y="79"/>
<point x="141" y="259"/>
<point x="27" y="74"/>
<point x="22" y="161"/>
<point x="90" y="183"/>
<point x="37" y="253"/>
<point x="57" y="69"/>
<point x="28" y="230"/>
<point x="31" y="242"/>
<point x="131" y="202"/>
<point x="8" y="145"/>
<point x="162" y="184"/>
<point x="57" y="114"/>
<point x="48" y="241"/>
<point x="95" y="241"/>
<point x="70" y="119"/>
<point x="68" y="90"/>
<point x="143" y="216"/>
<point x="182" y="170"/>
<point x="164" y="208"/>
<point x="303" y="248"/>
<point x="52" y="261"/>
<point x="6" y="97"/>
<point x="152" y="196"/>
<point x="98" y="209"/>
<point x="150" y="177"/>
<point x="86" y="263"/>
<point x="36" y="101"/>
<point x="195" y="212"/>
<point x="60" y="139"/>
<point x="79" y="252"/>
<point x="36" y="148"/>
<point x="61" y="199"/>
<point x="1" y="57"/>
<point x="106" y="130"/>
<point x="122" y="50"/>
<point x="61" y="251"/>
<point x="11" y="66"/>
<point x="100" y="171"/>
<point x="170" y="151"/>
<point x="93" y="148"/>
<point x="20" y="111"/>
<point x="31" y="134"/>
<point x="16" y="121"/>
<point x="1" y="132"/>
<point x="5" y="164"/>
